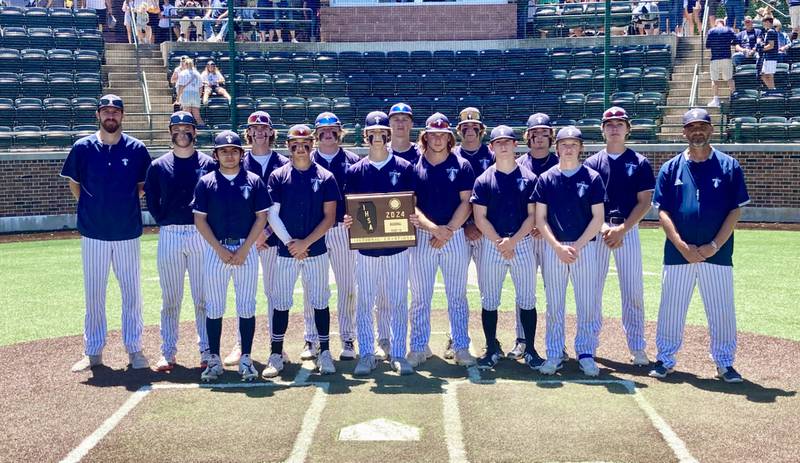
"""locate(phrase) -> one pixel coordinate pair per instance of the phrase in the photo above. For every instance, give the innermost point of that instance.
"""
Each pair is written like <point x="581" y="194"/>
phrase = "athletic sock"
<point x="214" y="330"/>
<point x="280" y="321"/>
<point x="489" y="322"/>
<point x="322" y="320"/>
<point x="528" y="320"/>
<point x="247" y="328"/>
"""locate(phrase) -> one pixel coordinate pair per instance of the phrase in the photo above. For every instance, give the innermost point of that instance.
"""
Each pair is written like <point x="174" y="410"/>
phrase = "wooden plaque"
<point x="381" y="220"/>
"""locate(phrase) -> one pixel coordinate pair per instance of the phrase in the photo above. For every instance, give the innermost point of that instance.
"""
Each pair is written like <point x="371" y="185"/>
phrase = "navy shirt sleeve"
<point x="261" y="198"/>
<point x="330" y="190"/>
<point x="662" y="195"/>
<point x="152" y="192"/>
<point x="480" y="192"/>
<point x="647" y="180"/>
<point x="200" y="202"/>
<point x="597" y="191"/>
<point x="741" y="197"/>
<point x="466" y="177"/>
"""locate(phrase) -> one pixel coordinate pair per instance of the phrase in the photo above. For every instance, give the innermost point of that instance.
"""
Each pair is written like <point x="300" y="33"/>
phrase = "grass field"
<point x="42" y="292"/>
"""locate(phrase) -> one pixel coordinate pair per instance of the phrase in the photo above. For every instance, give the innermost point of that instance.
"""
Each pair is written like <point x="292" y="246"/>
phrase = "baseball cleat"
<point x="325" y="363"/>
<point x="449" y="352"/>
<point x="214" y="369"/>
<point x="517" y="352"/>
<point x="660" y="371"/>
<point x="365" y="365"/>
<point x="417" y="358"/>
<point x="204" y="356"/>
<point x="310" y="351"/>
<point x="490" y="359"/>
<point x="639" y="358"/>
<point x="401" y="366"/>
<point x="165" y="364"/>
<point x="564" y="355"/>
<point x="246" y="368"/>
<point x="464" y="358"/>
<point x="274" y="366"/>
<point x="729" y="375"/>
<point x="550" y="367"/>
<point x="87" y="362"/>
<point x="348" y="351"/>
<point x="588" y="366"/>
<point x="533" y="360"/>
<point x="234" y="357"/>
<point x="384" y="347"/>
<point x="138" y="361"/>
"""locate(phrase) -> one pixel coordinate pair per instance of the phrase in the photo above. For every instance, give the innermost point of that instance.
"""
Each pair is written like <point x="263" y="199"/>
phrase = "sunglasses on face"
<point x="296" y="147"/>
<point x="615" y="113"/>
<point x="109" y="102"/>
<point x="439" y="124"/>
<point x="258" y="119"/>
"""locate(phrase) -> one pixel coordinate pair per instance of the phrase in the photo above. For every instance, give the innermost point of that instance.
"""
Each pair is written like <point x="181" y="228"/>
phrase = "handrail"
<point x="142" y="81"/>
<point x="695" y="80"/>
<point x="698" y="66"/>
<point x="773" y="9"/>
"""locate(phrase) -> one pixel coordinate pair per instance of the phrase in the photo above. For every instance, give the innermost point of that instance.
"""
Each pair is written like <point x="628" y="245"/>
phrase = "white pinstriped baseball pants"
<point x="123" y="258"/>
<point x="493" y="270"/>
<point x="538" y="245"/>
<point x="245" y="283"/>
<point x="628" y="260"/>
<point x="716" y="291"/>
<point x="453" y="258"/>
<point x="388" y="275"/>
<point x="268" y="258"/>
<point x="583" y="274"/>
<point x="313" y="272"/>
<point x="181" y="249"/>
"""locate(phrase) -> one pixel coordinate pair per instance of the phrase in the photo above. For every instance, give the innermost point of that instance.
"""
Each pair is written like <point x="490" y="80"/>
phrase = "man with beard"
<point x="106" y="172"/>
<point x="169" y="190"/>
<point x="699" y="246"/>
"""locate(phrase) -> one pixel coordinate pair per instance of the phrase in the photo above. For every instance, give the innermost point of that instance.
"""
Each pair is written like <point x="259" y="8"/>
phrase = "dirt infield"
<point x="49" y="410"/>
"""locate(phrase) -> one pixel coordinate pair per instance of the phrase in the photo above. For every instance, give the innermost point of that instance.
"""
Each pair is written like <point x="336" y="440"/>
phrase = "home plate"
<point x="379" y="429"/>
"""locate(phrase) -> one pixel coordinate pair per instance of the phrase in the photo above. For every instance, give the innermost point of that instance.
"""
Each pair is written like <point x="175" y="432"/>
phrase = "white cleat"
<point x="87" y="362"/>
<point x="138" y="361"/>
<point x="464" y="358"/>
<point x="550" y="367"/>
<point x="402" y="367"/>
<point x="365" y="365"/>
<point x="234" y="357"/>
<point x="384" y="347"/>
<point x="214" y="369"/>
<point x="588" y="366"/>
<point x="325" y="363"/>
<point x="639" y="358"/>
<point x="274" y="366"/>
<point x="517" y="352"/>
<point x="417" y="358"/>
<point x="310" y="351"/>
<point x="246" y="368"/>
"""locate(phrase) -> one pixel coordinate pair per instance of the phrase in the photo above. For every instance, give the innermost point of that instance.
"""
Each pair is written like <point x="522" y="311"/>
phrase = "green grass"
<point x="41" y="292"/>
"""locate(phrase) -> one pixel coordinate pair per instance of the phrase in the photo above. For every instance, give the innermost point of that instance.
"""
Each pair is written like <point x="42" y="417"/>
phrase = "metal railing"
<point x="143" y="83"/>
<point x="279" y="20"/>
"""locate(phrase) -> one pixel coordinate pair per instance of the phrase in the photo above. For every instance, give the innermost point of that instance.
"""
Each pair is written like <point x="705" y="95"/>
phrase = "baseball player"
<point x="443" y="186"/>
<point x="504" y="212"/>
<point x="230" y="211"/>
<point x="106" y="173"/>
<point x="305" y="197"/>
<point x="401" y="120"/>
<point x="381" y="270"/>
<point x="629" y="182"/>
<point x="539" y="137"/>
<point x="569" y="214"/>
<point x="261" y="160"/>
<point x="329" y="155"/>
<point x="169" y="190"/>
<point x="699" y="195"/>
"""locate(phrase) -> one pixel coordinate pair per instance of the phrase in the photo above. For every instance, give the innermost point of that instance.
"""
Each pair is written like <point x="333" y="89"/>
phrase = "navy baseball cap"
<point x="615" y="113"/>
<point x="299" y="132"/>
<point x="569" y="132"/>
<point x="400" y="108"/>
<point x="182" y="117"/>
<point x="438" y="122"/>
<point x="110" y="100"/>
<point x="376" y="120"/>
<point x="227" y="138"/>
<point x="539" y="121"/>
<point x="327" y="119"/>
<point x="696" y="115"/>
<point x="259" y="118"/>
<point x="503" y="132"/>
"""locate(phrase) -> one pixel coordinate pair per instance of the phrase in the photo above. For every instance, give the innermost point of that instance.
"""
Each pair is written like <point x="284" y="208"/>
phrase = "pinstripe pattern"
<point x="494" y="268"/>
<point x="181" y="249"/>
<point x="716" y="291"/>
<point x="245" y="283"/>
<point x="314" y="276"/>
<point x="383" y="314"/>
<point x="538" y="246"/>
<point x="388" y="275"/>
<point x="453" y="259"/>
<point x="628" y="259"/>
<point x="268" y="258"/>
<point x="475" y="252"/>
<point x="582" y="274"/>
<point x="123" y="258"/>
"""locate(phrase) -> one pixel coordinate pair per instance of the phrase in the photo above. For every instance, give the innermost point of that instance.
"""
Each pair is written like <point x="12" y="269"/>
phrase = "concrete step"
<point x="131" y="61"/>
<point x="677" y="119"/>
<point x="128" y="79"/>
<point x="109" y="68"/>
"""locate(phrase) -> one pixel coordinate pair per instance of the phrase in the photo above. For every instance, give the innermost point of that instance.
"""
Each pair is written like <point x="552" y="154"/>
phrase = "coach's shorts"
<point x="794" y="13"/>
<point x="768" y="67"/>
<point x="721" y="69"/>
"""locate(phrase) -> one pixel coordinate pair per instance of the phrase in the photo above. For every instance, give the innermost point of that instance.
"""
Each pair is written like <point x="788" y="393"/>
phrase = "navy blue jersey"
<point x="170" y="183"/>
<point x="480" y="160"/>
<point x="538" y="166"/>
<point x="411" y="155"/>
<point x="109" y="175"/>
<point x="396" y="175"/>
<point x="748" y="39"/>
<point x="698" y="197"/>
<point x="302" y="195"/>
<point x="623" y="179"/>
<point x="569" y="200"/>
<point x="772" y="53"/>
<point x="231" y="205"/>
<point x="438" y="187"/>
<point x="275" y="160"/>
<point x="338" y="167"/>
<point x="505" y="196"/>
<point x="719" y="40"/>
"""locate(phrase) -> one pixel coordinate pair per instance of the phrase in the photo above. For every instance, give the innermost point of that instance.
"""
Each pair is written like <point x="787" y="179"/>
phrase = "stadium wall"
<point x="33" y="197"/>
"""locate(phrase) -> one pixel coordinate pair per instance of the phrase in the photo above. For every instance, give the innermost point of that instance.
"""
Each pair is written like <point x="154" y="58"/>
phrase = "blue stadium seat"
<point x="34" y="60"/>
<point x="591" y="129"/>
<point x="8" y="112"/>
<point x="15" y="37"/>
<point x="793" y="130"/>
<point x="334" y="86"/>
<point x="83" y="111"/>
<point x="85" y="19"/>
<point x="57" y="111"/>
<point x="561" y="58"/>
<point x="625" y="100"/>
<point x="284" y="84"/>
<point x="217" y="111"/>
<point x="632" y="56"/>
<point x="60" y="18"/>
<point x="583" y="58"/>
<point x="91" y="40"/>
<point x="271" y="105"/>
<point x="87" y="61"/>
<point x="29" y="111"/>
<point x="397" y="62"/>
<point x="326" y="62"/>
<point x="87" y="84"/>
<point x="490" y="59"/>
<point x="293" y="110"/>
<point x="309" y="84"/>
<point x="505" y="83"/>
<point x="6" y="137"/>
<point x="772" y="103"/>
<point x="444" y="60"/>
<point x="319" y="104"/>
<point x="530" y="82"/>
<point x="351" y="62"/>
<point x="744" y="102"/>
<point x="28" y="136"/>
<point x="782" y="76"/>
<point x="744" y="129"/>
<point x="580" y="80"/>
<point x="278" y="63"/>
<point x="572" y="106"/>
<point x="34" y="85"/>
<point x="252" y="62"/>
<point x="9" y="86"/>
<point x="658" y="55"/>
<point x="60" y="60"/>
<point x="12" y="16"/>
<point x="772" y="129"/>
<point x="59" y="136"/>
<point x="746" y="77"/>
<point x="643" y="129"/>
<point x="359" y="85"/>
<point x="302" y="62"/>
<point x="375" y="61"/>
<point x="647" y="105"/>
<point x="655" y="79"/>
<point x="466" y="60"/>
<point x="629" y="79"/>
<point x="420" y="61"/>
<point x="343" y="109"/>
<point x="383" y="85"/>
<point x="408" y="84"/>
<point x="260" y="85"/>
<point x="594" y="105"/>
<point x="555" y="81"/>
<point x="481" y="83"/>
<point x="518" y="59"/>
<point x="520" y="107"/>
<point x="62" y="85"/>
<point x="41" y="37"/>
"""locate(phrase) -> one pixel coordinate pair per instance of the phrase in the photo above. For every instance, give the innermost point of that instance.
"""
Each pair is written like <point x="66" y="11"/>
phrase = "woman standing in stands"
<point x="188" y="90"/>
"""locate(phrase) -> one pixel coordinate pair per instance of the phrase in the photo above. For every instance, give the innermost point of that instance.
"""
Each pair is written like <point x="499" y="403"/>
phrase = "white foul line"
<point x="675" y="443"/>
<point x="451" y="420"/>
<point x="108" y="425"/>
<point x="309" y="426"/>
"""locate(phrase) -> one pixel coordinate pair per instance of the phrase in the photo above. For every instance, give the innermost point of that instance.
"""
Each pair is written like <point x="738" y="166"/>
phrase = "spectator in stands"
<point x="691" y="17"/>
<point x="213" y="83"/>
<point x="166" y="22"/>
<point x="784" y="43"/>
<point x="735" y="11"/>
<point x="102" y="7"/>
<point x="153" y="12"/>
<point x="188" y="90"/>
<point x="313" y="16"/>
<point x="794" y="14"/>
<point x="218" y="7"/>
<point x="173" y="80"/>
<point x="746" y="49"/>
<point x="292" y="15"/>
<point x="191" y="14"/>
<point x="672" y="21"/>
<point x="770" y="54"/>
<point x="646" y="18"/>
<point x="713" y="6"/>
<point x="720" y="39"/>
<point x="135" y="19"/>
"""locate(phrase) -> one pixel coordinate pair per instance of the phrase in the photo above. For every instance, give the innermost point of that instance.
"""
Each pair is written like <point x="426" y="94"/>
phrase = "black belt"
<point x="230" y="242"/>
<point x="616" y="220"/>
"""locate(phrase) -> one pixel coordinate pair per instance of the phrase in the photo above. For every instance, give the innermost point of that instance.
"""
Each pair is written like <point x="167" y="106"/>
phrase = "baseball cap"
<point x="615" y="113"/>
<point x="182" y="117"/>
<point x="438" y="122"/>
<point x="299" y="132"/>
<point x="748" y="19"/>
<point x="327" y="119"/>
<point x="227" y="138"/>
<point x="110" y="100"/>
<point x="696" y="115"/>
<point x="376" y="120"/>
<point x="259" y="118"/>
<point x="400" y="108"/>
<point x="569" y="132"/>
<point x="503" y="132"/>
<point x="211" y="63"/>
<point x="469" y="114"/>
<point x="539" y="121"/>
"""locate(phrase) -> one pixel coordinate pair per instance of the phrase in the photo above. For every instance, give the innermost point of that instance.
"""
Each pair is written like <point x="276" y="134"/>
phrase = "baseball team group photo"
<point x="424" y="247"/>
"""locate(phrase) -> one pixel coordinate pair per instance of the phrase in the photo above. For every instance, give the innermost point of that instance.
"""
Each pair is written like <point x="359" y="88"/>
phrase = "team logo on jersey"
<point x="678" y="182"/>
<point x="451" y="173"/>
<point x="200" y="172"/>
<point x="246" y="190"/>
<point x="582" y="187"/>
<point x="346" y="165"/>
<point x="125" y="162"/>
<point x="716" y="181"/>
<point x="394" y="177"/>
<point x="315" y="182"/>
<point x="485" y="162"/>
<point x="521" y="183"/>
<point x="629" y="168"/>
